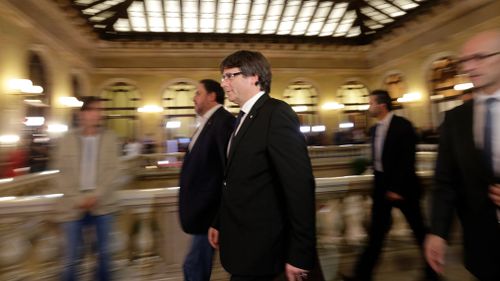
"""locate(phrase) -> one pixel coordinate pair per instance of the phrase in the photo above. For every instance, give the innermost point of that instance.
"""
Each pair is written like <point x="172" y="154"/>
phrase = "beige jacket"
<point x="68" y="159"/>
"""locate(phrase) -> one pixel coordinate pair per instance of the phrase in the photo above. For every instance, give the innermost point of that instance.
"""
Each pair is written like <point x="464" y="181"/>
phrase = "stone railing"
<point x="147" y="242"/>
<point x="36" y="183"/>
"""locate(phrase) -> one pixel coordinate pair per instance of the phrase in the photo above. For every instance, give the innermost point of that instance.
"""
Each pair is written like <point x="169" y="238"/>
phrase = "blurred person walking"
<point x="467" y="176"/>
<point x="396" y="184"/>
<point x="87" y="159"/>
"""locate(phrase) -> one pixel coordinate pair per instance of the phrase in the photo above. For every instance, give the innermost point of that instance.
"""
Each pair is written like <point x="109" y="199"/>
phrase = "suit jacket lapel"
<point x="245" y="125"/>
<point x="205" y="129"/>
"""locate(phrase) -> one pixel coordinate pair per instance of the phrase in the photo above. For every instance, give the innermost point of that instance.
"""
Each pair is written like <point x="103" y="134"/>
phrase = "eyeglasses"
<point x="229" y="76"/>
<point x="476" y="57"/>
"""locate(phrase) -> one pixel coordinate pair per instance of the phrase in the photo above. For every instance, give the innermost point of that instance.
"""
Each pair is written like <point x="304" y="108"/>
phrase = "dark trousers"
<point x="381" y="221"/>
<point x="198" y="263"/>
<point x="252" y="278"/>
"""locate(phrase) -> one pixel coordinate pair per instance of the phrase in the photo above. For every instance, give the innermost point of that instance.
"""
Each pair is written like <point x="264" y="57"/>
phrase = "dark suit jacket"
<point x="461" y="183"/>
<point x="267" y="214"/>
<point x="398" y="159"/>
<point x="202" y="173"/>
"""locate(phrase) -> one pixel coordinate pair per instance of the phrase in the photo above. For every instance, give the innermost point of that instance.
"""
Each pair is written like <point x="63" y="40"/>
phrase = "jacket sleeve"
<point x="444" y="193"/>
<point x="288" y="152"/>
<point x="64" y="182"/>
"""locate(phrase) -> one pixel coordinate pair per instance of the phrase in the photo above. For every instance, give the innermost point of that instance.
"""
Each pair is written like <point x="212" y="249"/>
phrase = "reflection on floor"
<point x="400" y="261"/>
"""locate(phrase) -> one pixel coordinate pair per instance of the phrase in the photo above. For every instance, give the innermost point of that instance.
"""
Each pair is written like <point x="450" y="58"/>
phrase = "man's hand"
<point x="495" y="194"/>
<point x="213" y="237"/>
<point x="88" y="203"/>
<point x="294" y="273"/>
<point x="393" y="196"/>
<point x="435" y="249"/>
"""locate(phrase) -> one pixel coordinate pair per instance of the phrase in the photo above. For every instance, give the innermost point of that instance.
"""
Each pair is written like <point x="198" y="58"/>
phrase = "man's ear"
<point x="256" y="81"/>
<point x="212" y="96"/>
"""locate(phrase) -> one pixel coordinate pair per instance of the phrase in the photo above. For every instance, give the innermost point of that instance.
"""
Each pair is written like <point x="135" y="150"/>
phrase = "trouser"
<point x="198" y="263"/>
<point x="381" y="221"/>
<point x="74" y="240"/>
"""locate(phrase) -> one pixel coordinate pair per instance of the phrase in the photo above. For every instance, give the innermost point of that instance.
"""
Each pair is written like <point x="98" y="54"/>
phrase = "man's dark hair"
<point x="88" y="101"/>
<point x="250" y="63"/>
<point x="213" y="86"/>
<point x="383" y="97"/>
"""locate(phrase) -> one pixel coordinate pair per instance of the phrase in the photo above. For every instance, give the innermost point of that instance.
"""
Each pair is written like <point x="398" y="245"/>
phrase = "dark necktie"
<point x="238" y="120"/>
<point x="236" y="124"/>
<point x="488" y="132"/>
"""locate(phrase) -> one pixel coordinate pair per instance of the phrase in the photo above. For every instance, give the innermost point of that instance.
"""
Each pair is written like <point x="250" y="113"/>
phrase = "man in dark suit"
<point x="395" y="183"/>
<point x="468" y="166"/>
<point x="266" y="223"/>
<point x="201" y="176"/>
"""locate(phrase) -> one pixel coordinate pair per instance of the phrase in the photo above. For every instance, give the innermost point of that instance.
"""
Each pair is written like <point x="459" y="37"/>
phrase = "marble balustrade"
<point x="147" y="238"/>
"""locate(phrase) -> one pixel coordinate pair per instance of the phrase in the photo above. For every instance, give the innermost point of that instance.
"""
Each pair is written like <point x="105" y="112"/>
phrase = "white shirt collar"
<point x="387" y="119"/>
<point x="247" y="106"/>
<point x="481" y="98"/>
<point x="211" y="112"/>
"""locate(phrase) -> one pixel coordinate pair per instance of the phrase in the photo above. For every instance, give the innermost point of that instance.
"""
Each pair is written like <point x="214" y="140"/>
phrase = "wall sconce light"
<point x="34" y="121"/>
<point x="462" y="83"/>
<point x="346" y="125"/>
<point x="332" y="106"/>
<point x="299" y="108"/>
<point x="23" y="86"/>
<point x="70" y="102"/>
<point x="9" y="139"/>
<point x="57" y="128"/>
<point x="305" y="129"/>
<point x="357" y="107"/>
<point x="150" y="109"/>
<point x="318" y="128"/>
<point x="173" y="124"/>
<point x="463" y="86"/>
<point x="410" y="97"/>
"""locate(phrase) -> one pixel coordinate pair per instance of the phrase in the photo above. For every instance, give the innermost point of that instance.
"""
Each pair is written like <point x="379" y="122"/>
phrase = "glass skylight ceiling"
<point x="276" y="17"/>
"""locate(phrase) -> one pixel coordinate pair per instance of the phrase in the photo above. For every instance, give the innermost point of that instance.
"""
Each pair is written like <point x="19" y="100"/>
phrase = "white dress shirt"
<point x="88" y="165"/>
<point x="380" y="134"/>
<point x="247" y="106"/>
<point x="479" y="116"/>
<point x="202" y="121"/>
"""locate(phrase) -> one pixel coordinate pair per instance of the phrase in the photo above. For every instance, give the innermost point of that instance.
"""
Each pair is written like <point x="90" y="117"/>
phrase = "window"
<point x="120" y="101"/>
<point x="303" y="98"/>
<point x="444" y="76"/>
<point x="180" y="117"/>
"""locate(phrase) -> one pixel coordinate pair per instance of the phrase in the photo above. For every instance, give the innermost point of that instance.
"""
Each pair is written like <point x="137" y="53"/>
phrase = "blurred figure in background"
<point x="201" y="177"/>
<point x="148" y="144"/>
<point x="395" y="184"/>
<point x="132" y="147"/>
<point x="16" y="160"/>
<point x="89" y="166"/>
<point x="468" y="166"/>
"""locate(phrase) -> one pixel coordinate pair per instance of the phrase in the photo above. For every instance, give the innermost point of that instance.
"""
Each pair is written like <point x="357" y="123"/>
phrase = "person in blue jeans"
<point x="87" y="159"/>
